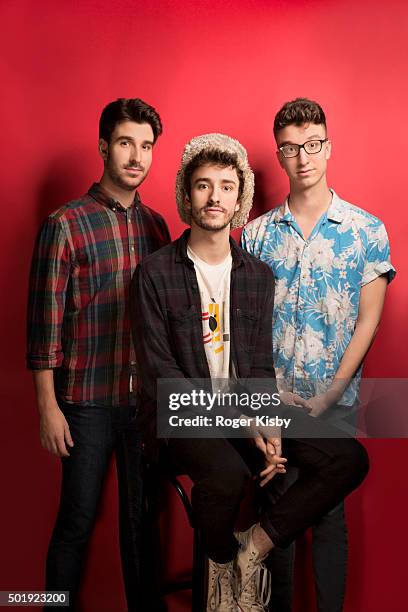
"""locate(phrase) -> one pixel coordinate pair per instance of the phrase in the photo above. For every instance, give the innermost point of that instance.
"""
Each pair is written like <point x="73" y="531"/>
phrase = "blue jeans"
<point x="97" y="432"/>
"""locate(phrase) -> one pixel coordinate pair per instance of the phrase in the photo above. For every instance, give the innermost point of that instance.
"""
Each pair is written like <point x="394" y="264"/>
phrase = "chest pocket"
<point x="246" y="325"/>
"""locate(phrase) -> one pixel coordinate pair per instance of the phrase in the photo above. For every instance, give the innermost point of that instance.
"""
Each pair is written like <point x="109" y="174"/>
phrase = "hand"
<point x="262" y="435"/>
<point x="275" y="463"/>
<point x="54" y="430"/>
<point x="293" y="399"/>
<point x="318" y="404"/>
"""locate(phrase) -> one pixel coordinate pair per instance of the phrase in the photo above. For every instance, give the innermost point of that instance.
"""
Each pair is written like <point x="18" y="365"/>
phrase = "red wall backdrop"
<point x="207" y="66"/>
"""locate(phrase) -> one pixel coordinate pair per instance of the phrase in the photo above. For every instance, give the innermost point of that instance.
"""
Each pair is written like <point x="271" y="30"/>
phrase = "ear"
<point x="238" y="205"/>
<point x="103" y="148"/>
<point x="187" y="202"/>
<point x="327" y="152"/>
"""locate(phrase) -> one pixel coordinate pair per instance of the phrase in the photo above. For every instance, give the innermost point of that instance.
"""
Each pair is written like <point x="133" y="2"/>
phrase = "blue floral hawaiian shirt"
<point x="317" y="292"/>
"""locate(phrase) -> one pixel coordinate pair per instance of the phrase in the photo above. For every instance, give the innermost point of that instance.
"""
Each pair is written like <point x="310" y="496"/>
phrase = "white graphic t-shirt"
<point x="214" y="286"/>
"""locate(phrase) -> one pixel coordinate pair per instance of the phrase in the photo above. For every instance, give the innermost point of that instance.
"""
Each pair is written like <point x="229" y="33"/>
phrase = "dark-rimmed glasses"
<point x="311" y="147"/>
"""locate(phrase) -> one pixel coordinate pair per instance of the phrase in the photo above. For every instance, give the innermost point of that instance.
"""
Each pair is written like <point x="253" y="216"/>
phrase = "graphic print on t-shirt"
<point x="211" y="317"/>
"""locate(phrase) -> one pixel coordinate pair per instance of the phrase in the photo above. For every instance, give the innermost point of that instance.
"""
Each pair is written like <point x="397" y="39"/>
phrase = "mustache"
<point x="135" y="165"/>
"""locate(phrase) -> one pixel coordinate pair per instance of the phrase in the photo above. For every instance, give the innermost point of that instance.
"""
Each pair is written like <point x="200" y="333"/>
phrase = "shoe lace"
<point x="257" y="583"/>
<point x="221" y="588"/>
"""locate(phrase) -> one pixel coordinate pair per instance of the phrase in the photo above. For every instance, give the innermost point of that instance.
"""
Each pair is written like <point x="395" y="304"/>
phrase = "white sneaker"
<point x="254" y="583"/>
<point x="221" y="581"/>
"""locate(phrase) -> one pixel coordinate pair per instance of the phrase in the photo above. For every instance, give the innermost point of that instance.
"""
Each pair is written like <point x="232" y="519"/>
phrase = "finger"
<point x="268" y="478"/>
<point x="270" y="448"/>
<point x="67" y="435"/>
<point x="61" y="448"/>
<point x="277" y="444"/>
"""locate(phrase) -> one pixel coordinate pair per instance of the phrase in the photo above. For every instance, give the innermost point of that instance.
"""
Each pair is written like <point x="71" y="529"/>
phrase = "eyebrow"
<point x="132" y="139"/>
<point x="208" y="180"/>
<point x="312" y="137"/>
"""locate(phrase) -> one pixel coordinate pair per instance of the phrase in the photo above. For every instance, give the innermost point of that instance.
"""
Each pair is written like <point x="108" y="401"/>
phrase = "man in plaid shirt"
<point x="79" y="344"/>
<point x="202" y="309"/>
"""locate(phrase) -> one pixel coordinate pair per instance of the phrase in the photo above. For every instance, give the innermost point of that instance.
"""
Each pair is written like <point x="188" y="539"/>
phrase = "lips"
<point x="133" y="169"/>
<point x="213" y="209"/>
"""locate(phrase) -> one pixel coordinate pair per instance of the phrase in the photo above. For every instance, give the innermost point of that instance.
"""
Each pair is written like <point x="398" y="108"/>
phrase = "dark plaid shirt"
<point x="167" y="326"/>
<point x="78" y="311"/>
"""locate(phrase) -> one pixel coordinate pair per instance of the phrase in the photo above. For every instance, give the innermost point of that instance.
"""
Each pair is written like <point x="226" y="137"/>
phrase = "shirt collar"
<point x="100" y="195"/>
<point x="336" y="211"/>
<point x="181" y="250"/>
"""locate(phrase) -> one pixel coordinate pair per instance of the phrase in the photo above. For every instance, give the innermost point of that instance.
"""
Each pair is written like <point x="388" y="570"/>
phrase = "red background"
<point x="206" y="66"/>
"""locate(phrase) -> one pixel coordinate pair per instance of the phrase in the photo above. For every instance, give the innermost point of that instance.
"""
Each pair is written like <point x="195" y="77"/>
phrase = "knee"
<point x="354" y="459"/>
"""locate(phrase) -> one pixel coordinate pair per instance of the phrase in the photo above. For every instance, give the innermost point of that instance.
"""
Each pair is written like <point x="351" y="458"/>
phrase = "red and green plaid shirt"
<point x="78" y="310"/>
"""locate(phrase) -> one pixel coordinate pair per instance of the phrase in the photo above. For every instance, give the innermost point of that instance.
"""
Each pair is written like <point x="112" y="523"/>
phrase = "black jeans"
<point x="97" y="432"/>
<point x="329" y="469"/>
<point x="329" y="539"/>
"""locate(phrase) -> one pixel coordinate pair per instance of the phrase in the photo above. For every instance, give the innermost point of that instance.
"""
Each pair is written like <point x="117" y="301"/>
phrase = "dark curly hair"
<point x="128" y="109"/>
<point x="215" y="157"/>
<point x="298" y="112"/>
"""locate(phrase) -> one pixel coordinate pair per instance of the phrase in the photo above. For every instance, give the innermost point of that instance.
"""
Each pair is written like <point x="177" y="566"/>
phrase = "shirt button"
<point x="299" y="338"/>
<point x="129" y="220"/>
<point x="133" y="363"/>
<point x="132" y="248"/>
<point x="113" y="208"/>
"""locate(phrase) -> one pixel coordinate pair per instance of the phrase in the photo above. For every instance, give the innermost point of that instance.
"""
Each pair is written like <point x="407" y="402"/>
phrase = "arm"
<point x="49" y="275"/>
<point x="369" y="314"/>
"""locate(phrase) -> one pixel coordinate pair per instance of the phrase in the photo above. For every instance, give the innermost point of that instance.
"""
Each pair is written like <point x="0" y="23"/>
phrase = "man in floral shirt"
<point x="331" y="262"/>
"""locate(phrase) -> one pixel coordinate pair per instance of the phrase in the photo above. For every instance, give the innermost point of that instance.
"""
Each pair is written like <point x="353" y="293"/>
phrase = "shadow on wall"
<point x="68" y="176"/>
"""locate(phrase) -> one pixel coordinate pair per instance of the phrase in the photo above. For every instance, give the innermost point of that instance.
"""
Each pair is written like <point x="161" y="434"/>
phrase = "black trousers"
<point x="329" y="469"/>
<point x="97" y="432"/>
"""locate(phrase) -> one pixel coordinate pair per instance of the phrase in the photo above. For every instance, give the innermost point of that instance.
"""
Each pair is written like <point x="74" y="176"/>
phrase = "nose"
<point x="215" y="196"/>
<point x="136" y="154"/>
<point x="303" y="156"/>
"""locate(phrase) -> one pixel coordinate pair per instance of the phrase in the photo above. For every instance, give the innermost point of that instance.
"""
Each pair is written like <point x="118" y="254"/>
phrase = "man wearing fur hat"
<point x="202" y="309"/>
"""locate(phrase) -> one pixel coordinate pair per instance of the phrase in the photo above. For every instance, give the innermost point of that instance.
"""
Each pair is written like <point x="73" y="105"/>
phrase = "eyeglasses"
<point x="311" y="147"/>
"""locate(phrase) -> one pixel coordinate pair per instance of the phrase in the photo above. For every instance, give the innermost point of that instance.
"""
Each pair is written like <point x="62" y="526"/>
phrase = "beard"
<point x="119" y="179"/>
<point x="210" y="226"/>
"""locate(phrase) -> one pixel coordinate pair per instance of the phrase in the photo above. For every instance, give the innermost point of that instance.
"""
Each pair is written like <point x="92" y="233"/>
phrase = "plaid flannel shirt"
<point x="167" y="327"/>
<point x="78" y="310"/>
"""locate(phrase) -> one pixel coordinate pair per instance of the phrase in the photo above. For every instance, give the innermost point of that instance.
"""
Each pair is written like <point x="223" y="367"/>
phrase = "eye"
<point x="202" y="186"/>
<point x="147" y="147"/>
<point x="124" y="143"/>
<point x="228" y="187"/>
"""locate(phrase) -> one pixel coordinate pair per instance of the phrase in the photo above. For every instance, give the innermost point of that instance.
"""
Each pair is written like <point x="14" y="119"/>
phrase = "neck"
<point x="311" y="202"/>
<point x="123" y="196"/>
<point x="211" y="247"/>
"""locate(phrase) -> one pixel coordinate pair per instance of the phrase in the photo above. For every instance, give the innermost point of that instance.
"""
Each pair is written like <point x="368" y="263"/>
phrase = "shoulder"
<point x="255" y="266"/>
<point x="259" y="225"/>
<point x="82" y="206"/>
<point x="160" y="259"/>
<point x="152" y="214"/>
<point x="361" y="217"/>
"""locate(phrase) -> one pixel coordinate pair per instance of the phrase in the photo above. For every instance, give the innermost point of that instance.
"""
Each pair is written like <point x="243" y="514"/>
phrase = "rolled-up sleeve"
<point x="49" y="276"/>
<point x="377" y="256"/>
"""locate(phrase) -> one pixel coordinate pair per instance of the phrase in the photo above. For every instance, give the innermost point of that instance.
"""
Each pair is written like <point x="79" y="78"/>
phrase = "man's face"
<point x="305" y="170"/>
<point x="214" y="197"/>
<point x="128" y="156"/>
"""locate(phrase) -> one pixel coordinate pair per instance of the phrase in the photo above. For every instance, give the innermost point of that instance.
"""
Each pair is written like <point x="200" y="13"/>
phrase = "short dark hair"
<point x="298" y="112"/>
<point x="128" y="109"/>
<point x="214" y="157"/>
